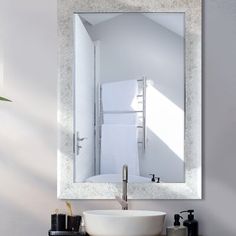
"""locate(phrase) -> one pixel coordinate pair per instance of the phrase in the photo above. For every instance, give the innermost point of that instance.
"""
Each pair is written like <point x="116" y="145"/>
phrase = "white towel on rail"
<point x="121" y="118"/>
<point x="120" y="96"/>
<point x="119" y="146"/>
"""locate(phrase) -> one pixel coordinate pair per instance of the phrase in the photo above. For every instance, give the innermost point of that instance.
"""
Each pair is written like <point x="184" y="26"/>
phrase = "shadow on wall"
<point x="20" y="168"/>
<point x="28" y="221"/>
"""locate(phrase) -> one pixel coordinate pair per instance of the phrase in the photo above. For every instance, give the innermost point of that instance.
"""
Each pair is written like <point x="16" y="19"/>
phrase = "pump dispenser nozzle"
<point x="177" y="217"/>
<point x="177" y="229"/>
<point x="190" y="216"/>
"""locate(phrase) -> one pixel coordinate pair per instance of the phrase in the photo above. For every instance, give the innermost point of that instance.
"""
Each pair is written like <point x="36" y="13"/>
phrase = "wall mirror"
<point x="129" y="94"/>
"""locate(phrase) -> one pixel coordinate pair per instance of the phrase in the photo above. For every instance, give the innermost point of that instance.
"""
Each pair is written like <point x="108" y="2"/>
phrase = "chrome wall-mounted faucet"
<point x="124" y="200"/>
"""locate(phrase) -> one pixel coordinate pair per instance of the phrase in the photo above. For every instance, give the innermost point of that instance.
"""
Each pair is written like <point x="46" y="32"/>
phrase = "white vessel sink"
<point x="124" y="222"/>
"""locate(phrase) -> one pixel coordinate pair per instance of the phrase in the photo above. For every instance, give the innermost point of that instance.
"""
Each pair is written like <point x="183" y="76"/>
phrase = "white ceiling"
<point x="172" y="21"/>
<point x="96" y="18"/>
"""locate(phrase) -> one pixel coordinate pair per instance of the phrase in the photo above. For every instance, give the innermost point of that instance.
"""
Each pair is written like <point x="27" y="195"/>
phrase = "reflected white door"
<point x="84" y="102"/>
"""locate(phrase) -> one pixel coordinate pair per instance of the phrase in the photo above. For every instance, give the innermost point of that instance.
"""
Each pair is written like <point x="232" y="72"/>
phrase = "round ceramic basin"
<point x="124" y="222"/>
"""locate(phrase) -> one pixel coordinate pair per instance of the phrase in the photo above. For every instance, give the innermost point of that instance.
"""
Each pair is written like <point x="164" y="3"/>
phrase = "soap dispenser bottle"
<point x="177" y="229"/>
<point x="191" y="223"/>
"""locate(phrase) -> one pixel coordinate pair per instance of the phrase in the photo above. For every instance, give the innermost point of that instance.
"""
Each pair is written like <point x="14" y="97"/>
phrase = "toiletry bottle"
<point x="191" y="224"/>
<point x="82" y="229"/>
<point x="177" y="229"/>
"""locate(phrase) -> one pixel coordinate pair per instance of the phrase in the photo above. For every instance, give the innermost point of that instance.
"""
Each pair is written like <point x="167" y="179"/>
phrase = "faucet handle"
<point x="122" y="202"/>
<point x="158" y="179"/>
<point x="153" y="177"/>
<point x="81" y="139"/>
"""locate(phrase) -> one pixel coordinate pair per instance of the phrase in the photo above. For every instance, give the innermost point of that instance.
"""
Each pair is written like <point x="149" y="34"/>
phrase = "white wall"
<point x="132" y="45"/>
<point x="28" y="126"/>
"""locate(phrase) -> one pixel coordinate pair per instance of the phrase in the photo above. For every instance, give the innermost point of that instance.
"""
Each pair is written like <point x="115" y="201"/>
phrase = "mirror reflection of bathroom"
<point x="129" y="97"/>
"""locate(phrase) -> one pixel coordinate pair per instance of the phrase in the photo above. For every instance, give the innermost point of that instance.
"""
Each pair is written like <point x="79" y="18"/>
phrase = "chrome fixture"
<point x="77" y="143"/>
<point x="124" y="200"/>
<point x="125" y="185"/>
<point x="142" y="83"/>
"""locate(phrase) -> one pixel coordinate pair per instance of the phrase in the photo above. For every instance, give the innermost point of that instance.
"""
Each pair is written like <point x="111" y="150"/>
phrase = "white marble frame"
<point x="192" y="188"/>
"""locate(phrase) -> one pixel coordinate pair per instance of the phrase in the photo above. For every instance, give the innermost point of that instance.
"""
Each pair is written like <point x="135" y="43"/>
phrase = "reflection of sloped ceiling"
<point x="172" y="21"/>
<point x="96" y="18"/>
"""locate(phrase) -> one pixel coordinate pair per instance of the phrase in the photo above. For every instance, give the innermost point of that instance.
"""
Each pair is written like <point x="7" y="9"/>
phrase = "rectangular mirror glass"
<point x="129" y="97"/>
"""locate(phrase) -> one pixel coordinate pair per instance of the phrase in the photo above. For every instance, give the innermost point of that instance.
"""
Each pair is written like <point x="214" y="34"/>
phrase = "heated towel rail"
<point x="142" y="85"/>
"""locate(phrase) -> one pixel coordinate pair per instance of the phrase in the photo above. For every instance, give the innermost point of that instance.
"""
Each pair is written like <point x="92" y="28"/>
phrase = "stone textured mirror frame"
<point x="192" y="188"/>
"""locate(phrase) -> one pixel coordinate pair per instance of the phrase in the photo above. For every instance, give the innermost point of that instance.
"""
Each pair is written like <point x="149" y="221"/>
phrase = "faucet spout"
<point x="124" y="200"/>
<point x="125" y="186"/>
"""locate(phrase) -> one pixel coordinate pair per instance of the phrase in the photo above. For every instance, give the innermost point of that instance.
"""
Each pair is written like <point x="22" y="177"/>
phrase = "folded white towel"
<point x="121" y="118"/>
<point x="120" y="96"/>
<point x="118" y="147"/>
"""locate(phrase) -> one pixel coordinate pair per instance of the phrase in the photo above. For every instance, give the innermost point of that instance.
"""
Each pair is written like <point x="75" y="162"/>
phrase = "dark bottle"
<point x="191" y="224"/>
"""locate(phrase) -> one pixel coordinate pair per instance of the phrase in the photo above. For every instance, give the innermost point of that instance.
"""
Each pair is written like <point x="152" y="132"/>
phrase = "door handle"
<point x="78" y="140"/>
<point x="81" y="139"/>
<point x="78" y="148"/>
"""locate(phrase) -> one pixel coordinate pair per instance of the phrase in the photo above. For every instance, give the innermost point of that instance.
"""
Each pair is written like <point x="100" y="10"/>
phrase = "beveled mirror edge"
<point x="192" y="188"/>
